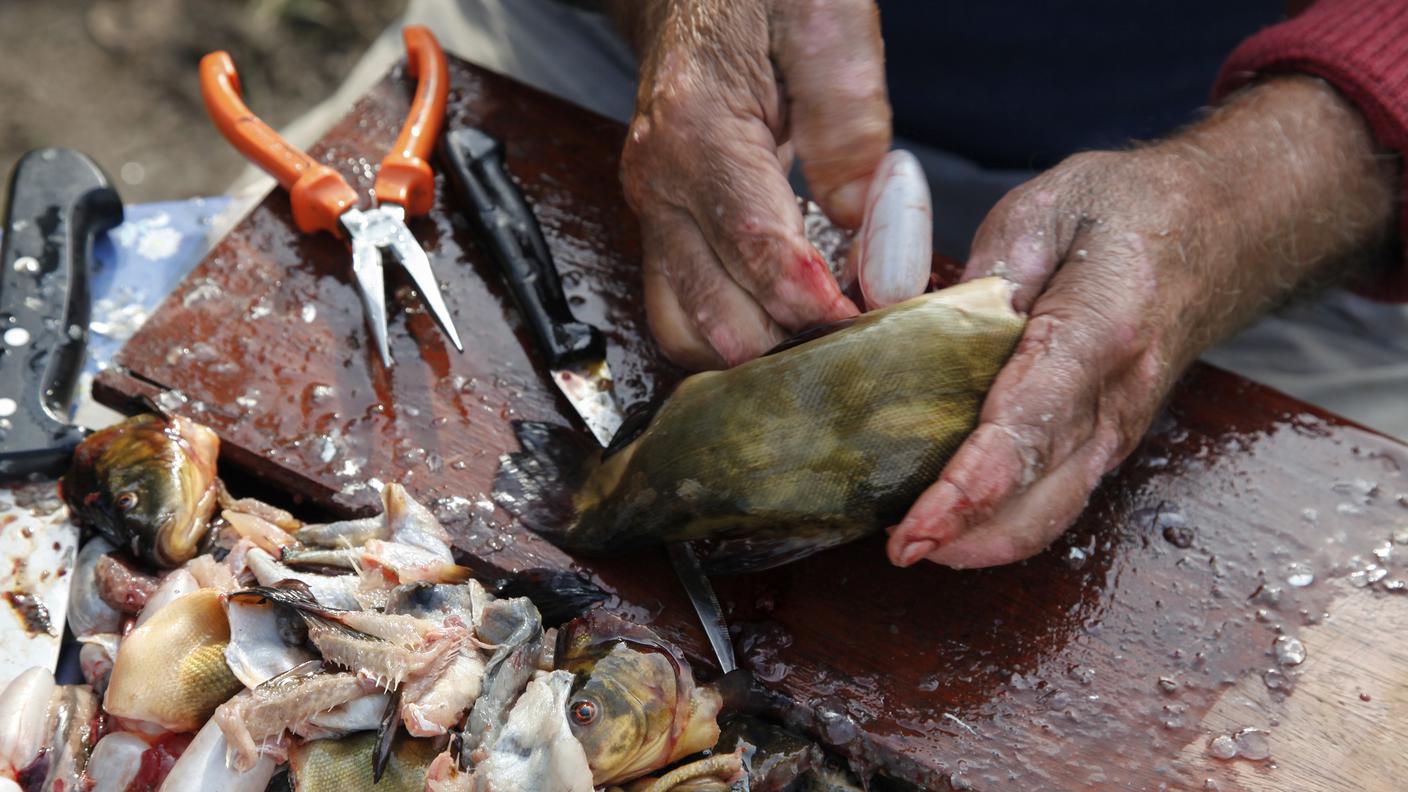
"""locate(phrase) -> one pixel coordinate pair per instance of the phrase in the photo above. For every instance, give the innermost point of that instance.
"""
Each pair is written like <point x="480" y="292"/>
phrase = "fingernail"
<point x="916" y="550"/>
<point x="846" y="204"/>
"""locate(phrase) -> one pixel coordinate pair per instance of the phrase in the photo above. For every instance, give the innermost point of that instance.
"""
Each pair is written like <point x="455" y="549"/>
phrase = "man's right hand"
<point x="728" y="90"/>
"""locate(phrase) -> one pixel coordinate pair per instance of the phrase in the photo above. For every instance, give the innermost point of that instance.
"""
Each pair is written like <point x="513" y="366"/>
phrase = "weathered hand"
<point x="728" y="88"/>
<point x="1130" y="264"/>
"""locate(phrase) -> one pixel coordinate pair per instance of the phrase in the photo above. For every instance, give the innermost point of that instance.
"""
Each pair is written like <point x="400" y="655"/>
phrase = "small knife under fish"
<point x="576" y="351"/>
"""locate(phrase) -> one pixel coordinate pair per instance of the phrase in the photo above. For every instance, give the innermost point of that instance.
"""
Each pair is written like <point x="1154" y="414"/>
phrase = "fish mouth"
<point x="181" y="535"/>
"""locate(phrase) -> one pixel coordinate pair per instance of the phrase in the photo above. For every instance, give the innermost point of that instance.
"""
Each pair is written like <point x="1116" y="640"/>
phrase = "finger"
<point x="672" y="329"/>
<point x="750" y="218"/>
<point x="1030" y="522"/>
<point x="833" y="69"/>
<point x="1018" y="241"/>
<point x="735" y="326"/>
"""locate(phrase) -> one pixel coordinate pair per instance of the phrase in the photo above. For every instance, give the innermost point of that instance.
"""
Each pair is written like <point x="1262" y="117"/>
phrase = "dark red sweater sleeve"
<point x="1361" y="48"/>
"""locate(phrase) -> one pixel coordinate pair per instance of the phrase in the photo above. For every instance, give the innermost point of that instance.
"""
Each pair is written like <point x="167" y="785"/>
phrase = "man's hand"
<point x="728" y="88"/>
<point x="1130" y="264"/>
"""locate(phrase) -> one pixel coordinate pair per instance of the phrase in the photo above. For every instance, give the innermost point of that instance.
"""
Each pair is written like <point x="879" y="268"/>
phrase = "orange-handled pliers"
<point x="324" y="201"/>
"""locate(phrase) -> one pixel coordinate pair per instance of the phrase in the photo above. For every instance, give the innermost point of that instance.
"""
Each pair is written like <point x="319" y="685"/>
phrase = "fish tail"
<point x="536" y="484"/>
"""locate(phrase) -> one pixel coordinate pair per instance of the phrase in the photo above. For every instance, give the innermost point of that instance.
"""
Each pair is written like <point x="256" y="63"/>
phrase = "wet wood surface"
<point x="1114" y="660"/>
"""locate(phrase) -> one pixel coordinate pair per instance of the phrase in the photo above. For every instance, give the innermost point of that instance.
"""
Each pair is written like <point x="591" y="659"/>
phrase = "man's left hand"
<point x="1130" y="264"/>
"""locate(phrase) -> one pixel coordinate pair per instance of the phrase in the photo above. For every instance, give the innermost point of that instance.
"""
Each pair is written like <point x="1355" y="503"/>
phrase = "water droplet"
<point x="1252" y="744"/>
<point x="929" y="683"/>
<point x="1274" y="679"/>
<point x="171" y="400"/>
<point x="8" y="407"/>
<point x="308" y="312"/>
<point x="1168" y="684"/>
<point x="1383" y="552"/>
<point x="1400" y="535"/>
<point x="1310" y="515"/>
<point x="1222" y="747"/>
<point x="1299" y="575"/>
<point x="1076" y="558"/>
<point x="16" y="337"/>
<point x="1289" y="651"/>
<point x="27" y="264"/>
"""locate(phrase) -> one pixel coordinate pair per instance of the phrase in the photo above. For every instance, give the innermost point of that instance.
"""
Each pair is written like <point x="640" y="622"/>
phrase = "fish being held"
<point x="148" y="485"/>
<point x="824" y="440"/>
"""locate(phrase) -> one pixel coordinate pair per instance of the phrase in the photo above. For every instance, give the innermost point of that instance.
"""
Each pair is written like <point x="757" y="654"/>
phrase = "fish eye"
<point x="127" y="501"/>
<point x="583" y="712"/>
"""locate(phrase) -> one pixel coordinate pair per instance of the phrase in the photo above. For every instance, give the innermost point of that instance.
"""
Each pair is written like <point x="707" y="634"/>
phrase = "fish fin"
<point x="737" y="689"/>
<point x="632" y="426"/>
<point x="811" y="334"/>
<point x="301" y="601"/>
<point x="386" y="735"/>
<point x="536" y="484"/>
<point x="560" y="595"/>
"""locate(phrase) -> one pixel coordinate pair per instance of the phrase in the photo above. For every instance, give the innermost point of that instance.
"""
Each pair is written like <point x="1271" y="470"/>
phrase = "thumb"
<point x="832" y="64"/>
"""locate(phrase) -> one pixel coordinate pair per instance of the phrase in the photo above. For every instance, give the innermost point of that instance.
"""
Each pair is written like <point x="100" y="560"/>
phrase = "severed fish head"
<point x="147" y="484"/>
<point x="634" y="706"/>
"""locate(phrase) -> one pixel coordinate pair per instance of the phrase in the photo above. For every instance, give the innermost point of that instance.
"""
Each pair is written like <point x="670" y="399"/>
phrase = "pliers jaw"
<point x="374" y="233"/>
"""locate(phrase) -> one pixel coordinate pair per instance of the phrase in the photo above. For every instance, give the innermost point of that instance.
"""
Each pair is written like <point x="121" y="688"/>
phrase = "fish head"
<point x="634" y="705"/>
<point x="147" y="484"/>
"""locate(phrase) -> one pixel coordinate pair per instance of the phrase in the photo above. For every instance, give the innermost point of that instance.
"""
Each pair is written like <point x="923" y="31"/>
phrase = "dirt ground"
<point x="117" y="79"/>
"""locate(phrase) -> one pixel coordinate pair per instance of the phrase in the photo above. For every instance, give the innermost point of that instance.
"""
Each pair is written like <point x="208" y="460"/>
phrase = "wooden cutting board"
<point x="1111" y="661"/>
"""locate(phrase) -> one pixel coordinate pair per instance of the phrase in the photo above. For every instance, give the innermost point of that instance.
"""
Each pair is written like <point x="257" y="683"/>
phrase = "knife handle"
<point x="475" y="165"/>
<point x="60" y="202"/>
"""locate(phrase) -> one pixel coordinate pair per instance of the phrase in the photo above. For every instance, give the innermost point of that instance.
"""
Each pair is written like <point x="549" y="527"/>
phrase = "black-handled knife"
<point x="576" y="352"/>
<point x="60" y="202"/>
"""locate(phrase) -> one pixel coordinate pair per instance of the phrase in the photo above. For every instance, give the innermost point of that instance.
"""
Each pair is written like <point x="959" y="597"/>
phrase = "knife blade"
<point x="575" y="351"/>
<point x="705" y="601"/>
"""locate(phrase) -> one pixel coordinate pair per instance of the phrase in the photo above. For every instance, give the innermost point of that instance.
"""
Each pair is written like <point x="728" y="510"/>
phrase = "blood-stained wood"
<point x="1111" y="661"/>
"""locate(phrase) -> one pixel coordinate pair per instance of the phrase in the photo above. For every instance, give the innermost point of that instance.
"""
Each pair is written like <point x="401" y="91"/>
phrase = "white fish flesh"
<point x="87" y="612"/>
<point x="24" y="718"/>
<point x="535" y="749"/>
<point x="265" y="641"/>
<point x="115" y="761"/>
<point x="177" y="584"/>
<point x="332" y="591"/>
<point x="202" y="766"/>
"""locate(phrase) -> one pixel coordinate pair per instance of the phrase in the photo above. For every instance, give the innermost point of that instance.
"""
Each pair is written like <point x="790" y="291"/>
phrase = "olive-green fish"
<point x="634" y="706"/>
<point x="820" y="442"/>
<point x="345" y="764"/>
<point x="148" y="485"/>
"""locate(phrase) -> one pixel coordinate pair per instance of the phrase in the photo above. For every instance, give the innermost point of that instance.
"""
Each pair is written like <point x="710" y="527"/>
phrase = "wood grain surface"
<point x="1112" y="661"/>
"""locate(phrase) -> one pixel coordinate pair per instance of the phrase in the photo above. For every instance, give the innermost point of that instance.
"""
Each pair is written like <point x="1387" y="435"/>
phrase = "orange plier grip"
<point x="405" y="177"/>
<point x="319" y="195"/>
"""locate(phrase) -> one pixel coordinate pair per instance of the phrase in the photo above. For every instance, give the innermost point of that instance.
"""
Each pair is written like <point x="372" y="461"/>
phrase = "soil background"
<point x="117" y="79"/>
